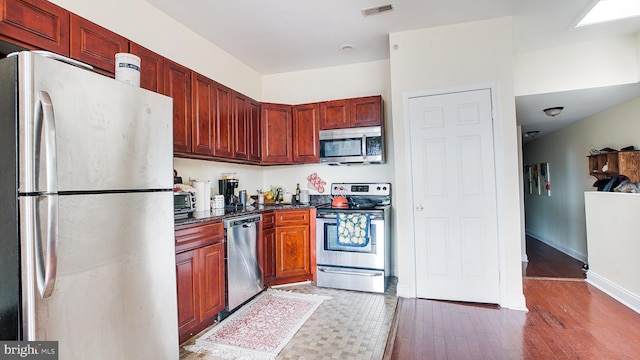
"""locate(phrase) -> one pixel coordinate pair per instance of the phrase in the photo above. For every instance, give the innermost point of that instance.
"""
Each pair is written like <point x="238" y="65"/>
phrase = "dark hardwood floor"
<point x="567" y="319"/>
<point x="545" y="261"/>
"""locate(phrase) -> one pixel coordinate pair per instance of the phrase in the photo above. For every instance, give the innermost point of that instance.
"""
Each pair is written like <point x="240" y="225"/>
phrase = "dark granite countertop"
<point x="221" y="214"/>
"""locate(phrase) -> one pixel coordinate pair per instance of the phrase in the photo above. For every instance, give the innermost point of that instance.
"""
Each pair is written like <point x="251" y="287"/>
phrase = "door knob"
<point x="419" y="208"/>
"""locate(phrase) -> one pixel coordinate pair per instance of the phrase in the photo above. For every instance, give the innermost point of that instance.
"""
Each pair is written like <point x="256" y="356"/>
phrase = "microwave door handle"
<point x="364" y="146"/>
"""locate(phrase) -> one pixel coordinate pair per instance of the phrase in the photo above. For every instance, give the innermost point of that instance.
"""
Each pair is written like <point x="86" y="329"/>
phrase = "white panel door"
<point x="454" y="197"/>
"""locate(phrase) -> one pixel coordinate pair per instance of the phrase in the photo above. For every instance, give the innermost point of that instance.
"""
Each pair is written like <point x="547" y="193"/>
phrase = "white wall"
<point x="445" y="57"/>
<point x="604" y="62"/>
<point x="612" y="259"/>
<point x="559" y="220"/>
<point x="144" y="24"/>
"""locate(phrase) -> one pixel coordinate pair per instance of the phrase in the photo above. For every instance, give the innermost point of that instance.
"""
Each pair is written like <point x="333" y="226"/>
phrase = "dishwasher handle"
<point x="244" y="221"/>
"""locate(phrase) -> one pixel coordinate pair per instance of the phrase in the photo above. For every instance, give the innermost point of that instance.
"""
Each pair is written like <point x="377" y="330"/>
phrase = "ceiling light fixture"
<point x="610" y="10"/>
<point x="554" y="111"/>
<point x="531" y="134"/>
<point x="377" y="10"/>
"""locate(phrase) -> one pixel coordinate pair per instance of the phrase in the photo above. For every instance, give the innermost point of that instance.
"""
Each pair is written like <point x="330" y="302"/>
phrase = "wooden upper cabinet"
<point x="306" y="142"/>
<point x="223" y="128"/>
<point x="151" y="67"/>
<point x="356" y="112"/>
<point x="277" y="134"/>
<point x="366" y="111"/>
<point x="177" y="85"/>
<point x="246" y="131"/>
<point x="241" y="113"/>
<point x="254" y="131"/>
<point x="95" y="45"/>
<point x="203" y="108"/>
<point x="35" y="24"/>
<point x="335" y="114"/>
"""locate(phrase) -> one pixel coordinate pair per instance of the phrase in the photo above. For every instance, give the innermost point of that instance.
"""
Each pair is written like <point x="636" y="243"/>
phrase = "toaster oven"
<point x="184" y="203"/>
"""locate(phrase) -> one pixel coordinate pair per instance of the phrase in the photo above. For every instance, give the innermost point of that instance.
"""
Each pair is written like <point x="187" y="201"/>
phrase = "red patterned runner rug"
<point x="261" y="328"/>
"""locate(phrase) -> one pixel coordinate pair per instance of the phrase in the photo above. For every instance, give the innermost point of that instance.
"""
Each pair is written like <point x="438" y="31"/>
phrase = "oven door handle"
<point x="343" y="272"/>
<point x="333" y="216"/>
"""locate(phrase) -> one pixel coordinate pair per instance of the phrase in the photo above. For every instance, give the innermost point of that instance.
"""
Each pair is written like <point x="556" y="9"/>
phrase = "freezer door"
<point x="81" y="131"/>
<point x="115" y="290"/>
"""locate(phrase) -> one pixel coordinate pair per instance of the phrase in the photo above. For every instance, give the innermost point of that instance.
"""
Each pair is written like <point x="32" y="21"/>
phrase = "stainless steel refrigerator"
<point x="87" y="251"/>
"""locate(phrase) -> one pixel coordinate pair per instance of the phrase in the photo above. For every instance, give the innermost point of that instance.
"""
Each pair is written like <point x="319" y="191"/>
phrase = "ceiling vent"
<point x="377" y="10"/>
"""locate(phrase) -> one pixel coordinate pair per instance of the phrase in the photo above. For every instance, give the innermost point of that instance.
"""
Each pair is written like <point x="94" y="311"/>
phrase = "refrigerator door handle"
<point x="46" y="264"/>
<point x="46" y="122"/>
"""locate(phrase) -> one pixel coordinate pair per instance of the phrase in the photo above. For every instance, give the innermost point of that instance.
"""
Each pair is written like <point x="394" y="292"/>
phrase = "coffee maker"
<point x="228" y="190"/>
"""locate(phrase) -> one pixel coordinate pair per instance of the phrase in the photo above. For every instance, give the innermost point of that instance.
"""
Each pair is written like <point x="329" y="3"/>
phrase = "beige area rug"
<point x="260" y="329"/>
<point x="350" y="325"/>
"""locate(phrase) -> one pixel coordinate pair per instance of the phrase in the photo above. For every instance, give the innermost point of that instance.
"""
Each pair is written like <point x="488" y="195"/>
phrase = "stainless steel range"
<point x="352" y="240"/>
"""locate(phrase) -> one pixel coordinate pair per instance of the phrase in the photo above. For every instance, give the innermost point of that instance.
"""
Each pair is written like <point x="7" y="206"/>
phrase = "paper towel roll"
<point x="128" y="68"/>
<point x="203" y="194"/>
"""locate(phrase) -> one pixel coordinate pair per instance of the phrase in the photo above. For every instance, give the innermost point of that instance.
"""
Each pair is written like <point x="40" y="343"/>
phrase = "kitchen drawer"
<point x="198" y="236"/>
<point x="292" y="217"/>
<point x="268" y="220"/>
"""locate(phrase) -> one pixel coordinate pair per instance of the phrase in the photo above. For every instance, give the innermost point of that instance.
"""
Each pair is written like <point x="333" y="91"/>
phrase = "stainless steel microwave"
<point x="352" y="145"/>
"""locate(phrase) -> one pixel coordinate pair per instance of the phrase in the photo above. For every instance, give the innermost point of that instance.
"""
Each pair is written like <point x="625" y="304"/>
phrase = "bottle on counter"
<point x="297" y="193"/>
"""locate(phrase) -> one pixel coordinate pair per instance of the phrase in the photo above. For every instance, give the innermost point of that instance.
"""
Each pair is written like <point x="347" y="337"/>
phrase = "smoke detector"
<point x="377" y="9"/>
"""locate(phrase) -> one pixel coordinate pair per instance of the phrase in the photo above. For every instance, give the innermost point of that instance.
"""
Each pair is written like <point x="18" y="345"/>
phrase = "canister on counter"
<point x="242" y="194"/>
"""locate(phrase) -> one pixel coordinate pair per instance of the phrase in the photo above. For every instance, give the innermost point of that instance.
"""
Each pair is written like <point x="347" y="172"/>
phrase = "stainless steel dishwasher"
<point x="244" y="277"/>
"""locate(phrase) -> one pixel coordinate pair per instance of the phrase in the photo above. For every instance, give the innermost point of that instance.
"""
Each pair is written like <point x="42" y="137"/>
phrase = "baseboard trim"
<point x="405" y="290"/>
<point x="624" y="296"/>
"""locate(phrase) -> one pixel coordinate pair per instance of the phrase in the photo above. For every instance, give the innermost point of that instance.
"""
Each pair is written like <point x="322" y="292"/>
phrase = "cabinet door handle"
<point x="419" y="208"/>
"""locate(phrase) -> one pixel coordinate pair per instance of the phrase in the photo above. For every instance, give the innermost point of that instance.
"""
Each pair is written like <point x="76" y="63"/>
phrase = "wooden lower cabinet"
<point x="200" y="285"/>
<point x="211" y="281"/>
<point x="290" y="258"/>
<point x="292" y="251"/>
<point x="188" y="289"/>
<point x="269" y="269"/>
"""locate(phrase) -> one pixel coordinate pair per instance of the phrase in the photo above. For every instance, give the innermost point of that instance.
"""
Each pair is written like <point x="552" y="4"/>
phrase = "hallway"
<point x="547" y="262"/>
<point x="567" y="319"/>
